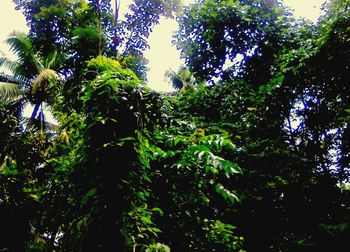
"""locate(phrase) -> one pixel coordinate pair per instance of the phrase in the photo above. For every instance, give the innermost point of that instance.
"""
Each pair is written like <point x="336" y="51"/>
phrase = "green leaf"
<point x="145" y="177"/>
<point x="87" y="196"/>
<point x="10" y="171"/>
<point x="144" y="161"/>
<point x="158" y="210"/>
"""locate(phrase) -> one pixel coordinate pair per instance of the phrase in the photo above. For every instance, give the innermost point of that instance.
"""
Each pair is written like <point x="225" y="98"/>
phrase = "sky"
<point x="162" y="55"/>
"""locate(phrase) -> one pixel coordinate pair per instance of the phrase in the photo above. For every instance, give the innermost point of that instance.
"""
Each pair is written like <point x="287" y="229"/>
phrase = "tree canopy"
<point x="251" y="153"/>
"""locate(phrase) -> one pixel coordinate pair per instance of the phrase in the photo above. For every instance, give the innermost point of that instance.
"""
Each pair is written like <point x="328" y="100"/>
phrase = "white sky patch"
<point x="10" y="20"/>
<point x="28" y="110"/>
<point x="309" y="9"/>
<point x="162" y="55"/>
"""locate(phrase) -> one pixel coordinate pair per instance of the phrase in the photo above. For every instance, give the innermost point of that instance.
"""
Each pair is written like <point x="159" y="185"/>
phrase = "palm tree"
<point x="182" y="80"/>
<point x="32" y="74"/>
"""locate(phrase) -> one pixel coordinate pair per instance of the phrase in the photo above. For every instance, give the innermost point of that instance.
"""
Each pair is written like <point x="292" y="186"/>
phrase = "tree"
<point x="130" y="169"/>
<point x="285" y="166"/>
<point x="182" y="80"/>
<point x="72" y="28"/>
<point x="31" y="73"/>
<point x="21" y="156"/>
<point x="213" y="35"/>
<point x="139" y="23"/>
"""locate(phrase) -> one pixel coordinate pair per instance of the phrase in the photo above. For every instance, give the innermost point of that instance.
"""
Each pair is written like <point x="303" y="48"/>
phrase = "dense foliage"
<point x="251" y="154"/>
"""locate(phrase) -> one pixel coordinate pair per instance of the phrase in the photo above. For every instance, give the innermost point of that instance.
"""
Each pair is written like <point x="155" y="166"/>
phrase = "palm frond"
<point x="10" y="90"/>
<point x="10" y="65"/>
<point x="174" y="79"/>
<point x="20" y="44"/>
<point x="16" y="70"/>
<point x="22" y="47"/>
<point x="7" y="78"/>
<point x="15" y="105"/>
